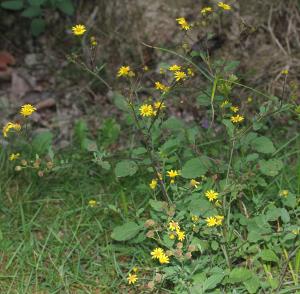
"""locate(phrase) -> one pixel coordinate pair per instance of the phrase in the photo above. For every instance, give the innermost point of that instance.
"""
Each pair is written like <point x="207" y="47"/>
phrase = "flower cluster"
<point x="10" y="126"/>
<point x="125" y="71"/>
<point x="183" y="23"/>
<point x="216" y="220"/>
<point x="151" y="110"/>
<point x="158" y="253"/>
<point x="163" y="88"/>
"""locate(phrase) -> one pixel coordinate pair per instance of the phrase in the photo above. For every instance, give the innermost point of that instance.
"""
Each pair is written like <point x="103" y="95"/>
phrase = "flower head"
<point x="146" y="110"/>
<point x="211" y="221"/>
<point x="14" y="156"/>
<point x="172" y="174"/>
<point x="224" y="103"/>
<point x="132" y="278"/>
<point x="157" y="253"/>
<point x="195" y="218"/>
<point x="224" y="6"/>
<point x="183" y="23"/>
<point x="211" y="195"/>
<point x="190" y="72"/>
<point x="219" y="220"/>
<point x="162" y="87"/>
<point x="206" y="10"/>
<point x="125" y="71"/>
<point x="164" y="259"/>
<point x="237" y="118"/>
<point x="153" y="184"/>
<point x="78" y="30"/>
<point x="194" y="183"/>
<point x="285" y="71"/>
<point x="180" y="75"/>
<point x="180" y="235"/>
<point x="175" y="67"/>
<point x="93" y="41"/>
<point x="234" y="109"/>
<point x="92" y="203"/>
<point x="10" y="126"/>
<point x="27" y="110"/>
<point x="284" y="193"/>
<point x="159" y="105"/>
<point x="174" y="226"/>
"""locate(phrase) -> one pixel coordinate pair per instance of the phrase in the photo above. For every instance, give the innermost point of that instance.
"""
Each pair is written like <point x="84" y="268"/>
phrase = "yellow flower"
<point x="124" y="71"/>
<point x="10" y="126"/>
<point x="172" y="236"/>
<point x="145" y="68"/>
<point x="157" y="253"/>
<point x="175" y="67"/>
<point x="224" y="103"/>
<point x="92" y="203"/>
<point x="27" y="110"/>
<point x="237" y="118"/>
<point x="234" y="109"/>
<point x="284" y="193"/>
<point x="153" y="184"/>
<point x="162" y="87"/>
<point x="146" y="110"/>
<point x="206" y="10"/>
<point x="159" y="105"/>
<point x="180" y="235"/>
<point x="195" y="218"/>
<point x="183" y="23"/>
<point x="219" y="220"/>
<point x="79" y="30"/>
<point x="190" y="72"/>
<point x="211" y="221"/>
<point x="211" y="195"/>
<point x="93" y="41"/>
<point x="132" y="278"/>
<point x="180" y="75"/>
<point x="164" y="259"/>
<point x="174" y="226"/>
<point x="135" y="269"/>
<point x="162" y="71"/>
<point x="172" y="174"/>
<point x="249" y="99"/>
<point x="194" y="183"/>
<point x="224" y="6"/>
<point x="285" y="71"/>
<point x="296" y="231"/>
<point x="14" y="156"/>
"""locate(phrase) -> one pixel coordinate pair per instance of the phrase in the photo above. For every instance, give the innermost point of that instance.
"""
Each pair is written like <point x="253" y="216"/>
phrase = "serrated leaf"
<point x="268" y="255"/>
<point x="195" y="167"/>
<point x="270" y="167"/>
<point x="125" y="168"/>
<point x="238" y="275"/>
<point x="125" y="232"/>
<point x="263" y="145"/>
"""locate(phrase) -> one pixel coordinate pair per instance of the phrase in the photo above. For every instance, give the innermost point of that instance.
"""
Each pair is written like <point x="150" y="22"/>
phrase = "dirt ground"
<point x="263" y="35"/>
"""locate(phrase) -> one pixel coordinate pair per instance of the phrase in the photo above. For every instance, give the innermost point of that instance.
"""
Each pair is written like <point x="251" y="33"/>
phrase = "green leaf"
<point x="252" y="284"/>
<point x="66" y="6"/>
<point x="12" y="5"/>
<point x="290" y="200"/>
<point x="42" y="142"/>
<point x="173" y="123"/>
<point x="213" y="281"/>
<point x="32" y="11"/>
<point x="229" y="127"/>
<point x="270" y="167"/>
<point x="125" y="232"/>
<point x="120" y="101"/>
<point x="36" y="2"/>
<point x="125" y="168"/>
<point x="156" y="205"/>
<point x="263" y="145"/>
<point x="268" y="255"/>
<point x="203" y="100"/>
<point x="195" y="167"/>
<point x="238" y="275"/>
<point x="37" y="26"/>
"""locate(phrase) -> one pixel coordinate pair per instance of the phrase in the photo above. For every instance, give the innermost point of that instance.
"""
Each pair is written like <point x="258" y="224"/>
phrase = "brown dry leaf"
<point x="6" y="59"/>
<point x="19" y="86"/>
